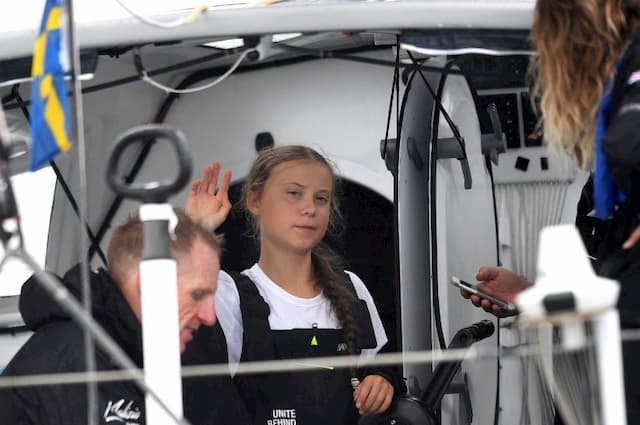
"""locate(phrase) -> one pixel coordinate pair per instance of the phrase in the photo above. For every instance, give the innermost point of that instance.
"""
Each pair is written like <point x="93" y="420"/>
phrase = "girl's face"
<point x="294" y="206"/>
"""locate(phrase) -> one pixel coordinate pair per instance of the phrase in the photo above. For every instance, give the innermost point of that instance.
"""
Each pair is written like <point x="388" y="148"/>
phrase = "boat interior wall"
<point x="338" y="107"/>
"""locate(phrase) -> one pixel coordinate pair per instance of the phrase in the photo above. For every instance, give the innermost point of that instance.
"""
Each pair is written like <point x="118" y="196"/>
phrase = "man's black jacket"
<point x="57" y="347"/>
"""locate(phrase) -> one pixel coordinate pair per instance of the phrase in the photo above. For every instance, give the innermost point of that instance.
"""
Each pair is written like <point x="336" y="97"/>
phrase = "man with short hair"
<point x="57" y="343"/>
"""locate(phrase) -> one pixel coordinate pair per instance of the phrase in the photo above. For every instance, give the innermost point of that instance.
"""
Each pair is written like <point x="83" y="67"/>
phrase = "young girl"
<point x="296" y="301"/>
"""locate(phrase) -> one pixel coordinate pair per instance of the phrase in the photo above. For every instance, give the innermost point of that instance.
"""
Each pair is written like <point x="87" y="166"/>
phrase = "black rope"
<point x="394" y="88"/>
<point x="432" y="199"/>
<point x="60" y="177"/>
<point x="398" y="118"/>
<point x="487" y="161"/>
<point x="330" y="54"/>
<point x="445" y="71"/>
<point x="497" y="410"/>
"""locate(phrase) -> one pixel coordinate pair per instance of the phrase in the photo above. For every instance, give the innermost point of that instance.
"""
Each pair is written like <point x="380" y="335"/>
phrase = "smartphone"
<point x="472" y="288"/>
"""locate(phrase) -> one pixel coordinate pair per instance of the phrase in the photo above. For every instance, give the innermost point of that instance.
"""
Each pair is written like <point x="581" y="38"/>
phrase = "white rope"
<point x="195" y="13"/>
<point x="145" y="77"/>
<point x="485" y="353"/>
<point x="191" y="17"/>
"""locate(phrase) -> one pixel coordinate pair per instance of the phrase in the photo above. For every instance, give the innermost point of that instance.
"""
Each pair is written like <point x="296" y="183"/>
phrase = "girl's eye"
<point x="293" y="193"/>
<point x="322" y="199"/>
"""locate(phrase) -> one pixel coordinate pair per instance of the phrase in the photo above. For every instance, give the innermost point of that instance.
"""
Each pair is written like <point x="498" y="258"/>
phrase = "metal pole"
<point x="77" y="130"/>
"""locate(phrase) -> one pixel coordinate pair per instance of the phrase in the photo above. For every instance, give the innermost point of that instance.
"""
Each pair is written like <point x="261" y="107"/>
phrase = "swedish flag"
<point x="49" y="104"/>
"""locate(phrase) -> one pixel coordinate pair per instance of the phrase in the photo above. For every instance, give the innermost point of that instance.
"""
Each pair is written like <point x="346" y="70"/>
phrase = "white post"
<point x="161" y="338"/>
<point x="609" y="357"/>
<point x="160" y="323"/>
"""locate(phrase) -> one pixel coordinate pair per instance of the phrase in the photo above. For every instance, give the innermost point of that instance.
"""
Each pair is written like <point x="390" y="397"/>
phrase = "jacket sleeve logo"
<point x="122" y="411"/>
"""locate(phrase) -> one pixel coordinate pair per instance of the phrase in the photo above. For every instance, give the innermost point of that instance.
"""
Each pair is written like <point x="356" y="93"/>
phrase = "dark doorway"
<point x="366" y="246"/>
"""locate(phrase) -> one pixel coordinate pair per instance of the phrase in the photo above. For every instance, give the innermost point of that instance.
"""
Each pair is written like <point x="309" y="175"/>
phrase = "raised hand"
<point x="208" y="204"/>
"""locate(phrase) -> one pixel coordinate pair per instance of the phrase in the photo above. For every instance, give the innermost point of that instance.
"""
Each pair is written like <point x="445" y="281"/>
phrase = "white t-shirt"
<point x="286" y="311"/>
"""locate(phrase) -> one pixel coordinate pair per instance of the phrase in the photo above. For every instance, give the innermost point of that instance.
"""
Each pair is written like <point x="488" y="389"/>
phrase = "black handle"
<point x="152" y="191"/>
<point x="466" y="172"/>
<point x="445" y="371"/>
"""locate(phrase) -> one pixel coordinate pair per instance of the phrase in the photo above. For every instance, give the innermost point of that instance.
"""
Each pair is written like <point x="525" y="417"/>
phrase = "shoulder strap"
<point x="257" y="341"/>
<point x="349" y="284"/>
<point x="366" y="337"/>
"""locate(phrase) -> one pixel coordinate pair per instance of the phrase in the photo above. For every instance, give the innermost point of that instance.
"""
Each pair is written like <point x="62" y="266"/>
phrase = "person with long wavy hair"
<point x="578" y="43"/>
<point x="587" y="85"/>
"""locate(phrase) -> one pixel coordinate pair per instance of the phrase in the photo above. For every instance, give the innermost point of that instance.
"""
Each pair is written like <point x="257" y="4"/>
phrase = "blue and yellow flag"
<point x="49" y="105"/>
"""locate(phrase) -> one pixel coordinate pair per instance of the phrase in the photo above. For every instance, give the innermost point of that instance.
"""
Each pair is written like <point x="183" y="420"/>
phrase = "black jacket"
<point x="621" y="140"/>
<point x="604" y="239"/>
<point x="622" y="148"/>
<point x="57" y="347"/>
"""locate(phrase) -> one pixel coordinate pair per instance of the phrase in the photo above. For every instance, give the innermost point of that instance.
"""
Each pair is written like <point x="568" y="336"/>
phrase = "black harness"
<point x="322" y="395"/>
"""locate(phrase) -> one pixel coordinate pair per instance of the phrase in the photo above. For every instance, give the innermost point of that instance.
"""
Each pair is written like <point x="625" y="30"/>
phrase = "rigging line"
<point x="144" y="76"/>
<point x="63" y="184"/>
<point x="497" y="409"/>
<point x="78" y="128"/>
<point x="188" y="19"/>
<point x="398" y="124"/>
<point x="330" y="54"/>
<point x="445" y="114"/>
<point x="393" y="88"/>
<point x="432" y="202"/>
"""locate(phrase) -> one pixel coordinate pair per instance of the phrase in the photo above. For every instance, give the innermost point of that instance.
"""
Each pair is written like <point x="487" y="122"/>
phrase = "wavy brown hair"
<point x="328" y="267"/>
<point x="577" y="44"/>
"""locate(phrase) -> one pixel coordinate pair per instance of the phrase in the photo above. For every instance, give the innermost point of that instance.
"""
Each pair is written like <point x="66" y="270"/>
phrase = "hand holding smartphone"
<point x="474" y="290"/>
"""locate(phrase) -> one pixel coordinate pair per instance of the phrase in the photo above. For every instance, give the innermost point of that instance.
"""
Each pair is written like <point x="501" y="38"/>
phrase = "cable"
<point x="497" y="409"/>
<point x="191" y="17"/>
<point x="144" y="76"/>
<point x="432" y="196"/>
<point x="489" y="166"/>
<point x="445" y="71"/>
<point x="396" y="75"/>
<point x="135" y="78"/>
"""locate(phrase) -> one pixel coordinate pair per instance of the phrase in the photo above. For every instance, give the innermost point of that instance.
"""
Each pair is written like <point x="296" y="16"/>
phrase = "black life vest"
<point x="319" y="396"/>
